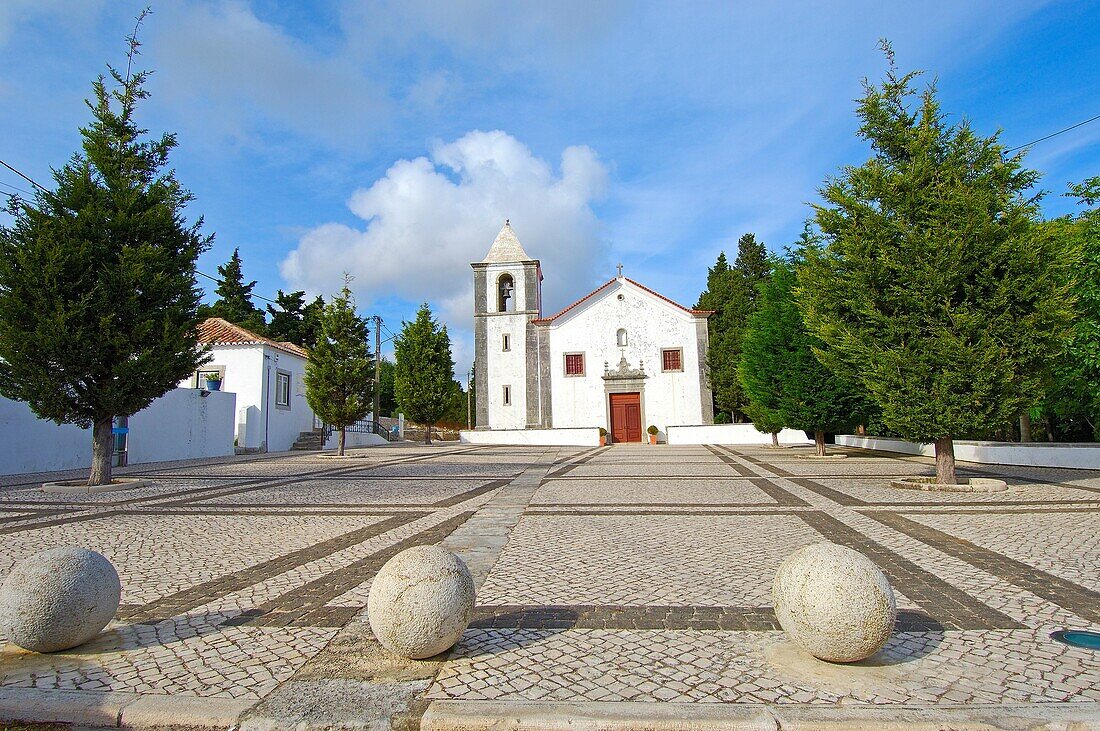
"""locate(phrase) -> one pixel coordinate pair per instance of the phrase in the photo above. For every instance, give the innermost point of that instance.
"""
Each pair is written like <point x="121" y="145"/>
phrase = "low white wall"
<point x="186" y="423"/>
<point x="731" y="434"/>
<point x="577" y="437"/>
<point x="355" y="439"/>
<point x="31" y="444"/>
<point x="1082" y="456"/>
<point x="182" y="424"/>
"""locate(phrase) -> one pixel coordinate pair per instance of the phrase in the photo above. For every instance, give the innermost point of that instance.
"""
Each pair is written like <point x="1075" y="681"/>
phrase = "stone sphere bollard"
<point x="834" y="602"/>
<point x="59" y="598"/>
<point x="421" y="601"/>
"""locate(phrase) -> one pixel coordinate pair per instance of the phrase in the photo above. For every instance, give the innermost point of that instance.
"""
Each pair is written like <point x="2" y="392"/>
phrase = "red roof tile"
<point x="602" y="287"/>
<point x="216" y="331"/>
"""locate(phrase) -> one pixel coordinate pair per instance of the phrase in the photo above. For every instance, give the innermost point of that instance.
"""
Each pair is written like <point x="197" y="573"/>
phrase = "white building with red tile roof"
<point x="267" y="377"/>
<point x="623" y="357"/>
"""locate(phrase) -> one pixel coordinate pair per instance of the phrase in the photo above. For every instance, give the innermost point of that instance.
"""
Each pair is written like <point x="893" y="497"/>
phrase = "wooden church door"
<point x="626" y="417"/>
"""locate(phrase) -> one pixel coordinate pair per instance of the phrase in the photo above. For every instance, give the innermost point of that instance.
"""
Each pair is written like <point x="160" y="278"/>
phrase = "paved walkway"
<point x="624" y="583"/>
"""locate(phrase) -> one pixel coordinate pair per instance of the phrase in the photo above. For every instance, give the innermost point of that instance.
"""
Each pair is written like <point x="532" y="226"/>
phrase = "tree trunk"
<point x="819" y="440"/>
<point x="103" y="447"/>
<point x="1025" y="427"/>
<point x="428" y="434"/>
<point x="945" y="461"/>
<point x="343" y="435"/>
<point x="1050" y="427"/>
<point x="775" y="439"/>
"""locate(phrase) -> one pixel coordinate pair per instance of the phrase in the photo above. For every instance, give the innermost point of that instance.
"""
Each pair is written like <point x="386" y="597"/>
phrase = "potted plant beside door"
<point x="652" y="431"/>
<point x="603" y="437"/>
<point x="213" y="381"/>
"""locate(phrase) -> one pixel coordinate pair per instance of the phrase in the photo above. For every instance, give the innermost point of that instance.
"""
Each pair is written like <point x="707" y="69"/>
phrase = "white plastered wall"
<point x="651" y="325"/>
<point x="250" y="372"/>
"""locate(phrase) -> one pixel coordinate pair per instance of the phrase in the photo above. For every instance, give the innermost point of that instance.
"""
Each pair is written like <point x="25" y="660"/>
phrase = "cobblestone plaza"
<point x="623" y="575"/>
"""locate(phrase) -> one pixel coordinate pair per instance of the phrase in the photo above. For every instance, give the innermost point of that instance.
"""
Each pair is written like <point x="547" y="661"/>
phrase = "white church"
<point x="622" y="358"/>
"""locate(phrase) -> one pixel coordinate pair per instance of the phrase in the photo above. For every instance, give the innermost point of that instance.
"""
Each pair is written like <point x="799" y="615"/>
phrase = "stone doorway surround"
<point x="624" y="379"/>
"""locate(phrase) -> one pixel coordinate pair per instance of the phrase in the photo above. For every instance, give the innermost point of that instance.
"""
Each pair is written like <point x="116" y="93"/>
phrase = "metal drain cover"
<point x="1078" y="638"/>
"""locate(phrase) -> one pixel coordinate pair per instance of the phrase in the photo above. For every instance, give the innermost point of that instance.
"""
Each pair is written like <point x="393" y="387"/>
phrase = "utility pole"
<point x="377" y="367"/>
<point x="469" y="413"/>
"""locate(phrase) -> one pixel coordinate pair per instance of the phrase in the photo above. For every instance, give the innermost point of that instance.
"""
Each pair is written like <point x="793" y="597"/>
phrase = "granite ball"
<point x="421" y="601"/>
<point x="58" y="599"/>
<point x="834" y="602"/>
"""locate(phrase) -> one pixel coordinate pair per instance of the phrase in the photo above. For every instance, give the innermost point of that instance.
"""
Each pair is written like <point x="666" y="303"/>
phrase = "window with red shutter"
<point x="670" y="360"/>
<point x="574" y="364"/>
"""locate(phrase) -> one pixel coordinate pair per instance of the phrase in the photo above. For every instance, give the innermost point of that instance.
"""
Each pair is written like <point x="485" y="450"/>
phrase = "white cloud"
<point x="428" y="218"/>
<point x="227" y="70"/>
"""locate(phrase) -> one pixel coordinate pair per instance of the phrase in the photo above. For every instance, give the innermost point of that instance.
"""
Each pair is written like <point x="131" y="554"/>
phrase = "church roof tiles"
<point x="216" y="331"/>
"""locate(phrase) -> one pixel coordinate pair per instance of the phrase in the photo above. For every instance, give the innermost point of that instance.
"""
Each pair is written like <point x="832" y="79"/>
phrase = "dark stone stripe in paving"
<point x="764" y="484"/>
<point x="730" y="461"/>
<point x="838" y="497"/>
<point x="585" y="457"/>
<point x="950" y="606"/>
<point x="1080" y="600"/>
<point x="589" y="616"/>
<point x="683" y="506"/>
<point x="60" y="521"/>
<point x="381" y="507"/>
<point x="769" y="509"/>
<point x="778" y="471"/>
<point x="305" y="605"/>
<point x="182" y="601"/>
<point x="267" y="482"/>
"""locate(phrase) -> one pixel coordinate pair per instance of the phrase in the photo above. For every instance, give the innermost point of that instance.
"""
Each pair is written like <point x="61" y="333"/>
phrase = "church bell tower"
<point x="507" y="298"/>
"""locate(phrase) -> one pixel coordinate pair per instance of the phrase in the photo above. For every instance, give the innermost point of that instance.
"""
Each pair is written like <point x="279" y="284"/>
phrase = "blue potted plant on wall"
<point x="213" y="381"/>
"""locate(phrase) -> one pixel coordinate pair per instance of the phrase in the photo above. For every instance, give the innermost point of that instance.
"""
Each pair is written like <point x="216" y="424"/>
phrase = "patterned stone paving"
<point x="627" y="573"/>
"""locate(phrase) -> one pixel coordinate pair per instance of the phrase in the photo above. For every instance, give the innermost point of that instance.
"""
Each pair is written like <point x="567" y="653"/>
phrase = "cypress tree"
<point x="340" y="372"/>
<point x="1074" y="393"/>
<point x="731" y="293"/>
<point x="423" y="372"/>
<point x="98" y="300"/>
<point x="785" y="382"/>
<point x="934" y="287"/>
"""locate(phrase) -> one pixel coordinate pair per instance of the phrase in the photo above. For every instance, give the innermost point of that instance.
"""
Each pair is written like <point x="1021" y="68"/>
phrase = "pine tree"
<point x="311" y="321"/>
<point x="340" y="372"/>
<point x="98" y="300"/>
<point x="934" y="288"/>
<point x="234" y="302"/>
<point x="288" y="318"/>
<point x="731" y="293"/>
<point x="785" y="382"/>
<point x="423" y="374"/>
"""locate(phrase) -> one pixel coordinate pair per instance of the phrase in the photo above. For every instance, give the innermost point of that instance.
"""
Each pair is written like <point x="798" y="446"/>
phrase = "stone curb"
<point x="117" y="709"/>
<point x="451" y="715"/>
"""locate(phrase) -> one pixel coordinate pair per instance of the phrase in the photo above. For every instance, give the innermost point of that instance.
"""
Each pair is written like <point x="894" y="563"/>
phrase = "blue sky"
<point x="391" y="139"/>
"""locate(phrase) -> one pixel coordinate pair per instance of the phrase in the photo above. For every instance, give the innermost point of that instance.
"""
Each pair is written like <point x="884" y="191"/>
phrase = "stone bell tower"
<point x="507" y="297"/>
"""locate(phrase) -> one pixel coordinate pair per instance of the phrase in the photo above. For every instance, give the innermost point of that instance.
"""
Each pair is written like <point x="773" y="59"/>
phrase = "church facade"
<point x="622" y="358"/>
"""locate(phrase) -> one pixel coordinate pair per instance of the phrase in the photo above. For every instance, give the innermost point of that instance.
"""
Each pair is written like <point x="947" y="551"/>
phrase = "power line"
<point x="16" y="187"/>
<point x="1053" y="134"/>
<point x="219" y="281"/>
<point x="28" y="179"/>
